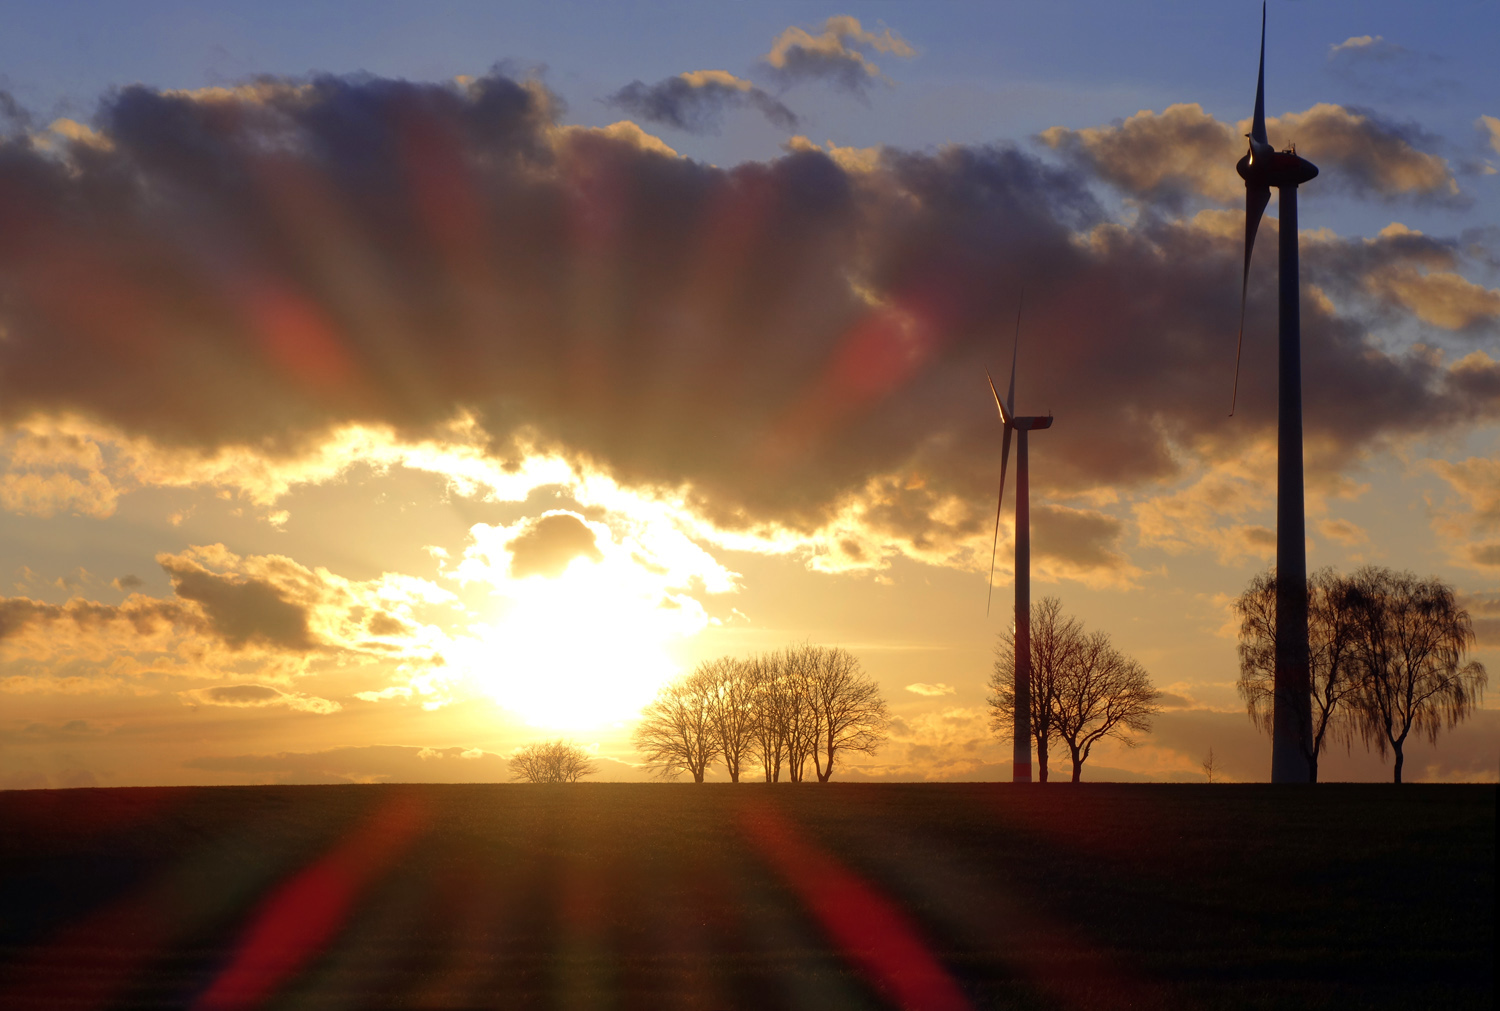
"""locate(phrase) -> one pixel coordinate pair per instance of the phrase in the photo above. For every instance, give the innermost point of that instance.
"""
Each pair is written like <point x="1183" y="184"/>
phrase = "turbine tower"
<point x="1261" y="168"/>
<point x="1021" y="764"/>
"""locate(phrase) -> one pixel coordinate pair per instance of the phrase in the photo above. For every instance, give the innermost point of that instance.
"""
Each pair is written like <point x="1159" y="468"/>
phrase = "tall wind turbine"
<point x="1261" y="168"/>
<point x="1021" y="763"/>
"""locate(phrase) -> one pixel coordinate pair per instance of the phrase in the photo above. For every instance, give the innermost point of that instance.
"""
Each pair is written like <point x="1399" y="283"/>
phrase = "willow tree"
<point x="1333" y="665"/>
<point x="1410" y="640"/>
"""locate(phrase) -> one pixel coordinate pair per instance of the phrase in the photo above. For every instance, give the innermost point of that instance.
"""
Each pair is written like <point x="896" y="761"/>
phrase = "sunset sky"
<point x="384" y="386"/>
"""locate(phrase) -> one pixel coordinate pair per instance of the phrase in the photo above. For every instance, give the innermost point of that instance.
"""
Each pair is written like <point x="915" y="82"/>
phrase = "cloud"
<point x="259" y="696"/>
<point x="850" y="159"/>
<point x="1163" y="156"/>
<point x="14" y="117"/>
<point x="1442" y="298"/>
<point x="1367" y="155"/>
<point x="1365" y="47"/>
<point x="142" y="616"/>
<point x="836" y="54"/>
<point x="1484" y="611"/>
<point x="921" y="688"/>
<point x="1183" y="152"/>
<point x="262" y="288"/>
<point x="1490" y="126"/>
<point x="1469" y="522"/>
<point x="696" y="101"/>
<point x="547" y="545"/>
<point x="242" y="610"/>
<point x="1388" y="72"/>
<point x="263" y="616"/>
<point x="623" y="132"/>
<point x="1082" y="544"/>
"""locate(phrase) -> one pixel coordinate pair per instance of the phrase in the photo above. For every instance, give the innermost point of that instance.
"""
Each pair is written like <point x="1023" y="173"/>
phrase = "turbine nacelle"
<point x="1274" y="168"/>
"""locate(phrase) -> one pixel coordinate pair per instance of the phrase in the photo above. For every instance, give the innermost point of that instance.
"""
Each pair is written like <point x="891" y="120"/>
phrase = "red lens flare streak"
<point x="868" y="928"/>
<point x="299" y="921"/>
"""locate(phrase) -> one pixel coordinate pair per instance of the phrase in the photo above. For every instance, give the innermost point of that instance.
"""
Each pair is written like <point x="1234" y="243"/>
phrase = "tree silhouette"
<point x="558" y="761"/>
<point x="730" y="689"/>
<point x="1055" y="639"/>
<point x="676" y="731"/>
<point x="1331" y="635"/>
<point x="1101" y="693"/>
<point x="849" y="713"/>
<point x="1410" y="641"/>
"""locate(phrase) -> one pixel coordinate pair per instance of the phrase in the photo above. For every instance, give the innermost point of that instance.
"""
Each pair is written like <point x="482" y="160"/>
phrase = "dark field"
<point x="661" y="896"/>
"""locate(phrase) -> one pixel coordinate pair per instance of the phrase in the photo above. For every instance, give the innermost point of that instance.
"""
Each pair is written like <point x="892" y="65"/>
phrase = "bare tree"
<point x="849" y="713"/>
<point x="789" y="704"/>
<point x="1331" y="635"/>
<point x="676" y="731"/>
<point x="768" y="741"/>
<point x="1055" y="639"/>
<point x="1210" y="766"/>
<point x="558" y="761"/>
<point x="731" y="710"/>
<point x="1411" y="637"/>
<point x="1101" y="693"/>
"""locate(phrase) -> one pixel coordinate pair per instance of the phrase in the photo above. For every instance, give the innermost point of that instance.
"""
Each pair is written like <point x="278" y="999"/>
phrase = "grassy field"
<point x="718" y="896"/>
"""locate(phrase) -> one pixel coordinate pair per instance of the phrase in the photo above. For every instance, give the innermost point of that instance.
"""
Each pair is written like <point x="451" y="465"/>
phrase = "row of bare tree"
<point x="1387" y="658"/>
<point x="775" y="710"/>
<point x="1083" y="689"/>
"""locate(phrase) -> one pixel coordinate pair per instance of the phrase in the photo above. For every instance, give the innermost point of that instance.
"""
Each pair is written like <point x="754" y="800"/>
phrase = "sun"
<point x="583" y="644"/>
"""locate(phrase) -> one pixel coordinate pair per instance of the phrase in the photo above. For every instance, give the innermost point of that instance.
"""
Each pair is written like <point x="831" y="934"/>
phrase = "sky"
<point x="383" y="387"/>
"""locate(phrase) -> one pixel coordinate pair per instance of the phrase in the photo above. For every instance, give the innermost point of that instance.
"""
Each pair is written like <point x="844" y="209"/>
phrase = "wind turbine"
<point x="1021" y="756"/>
<point x="1261" y="168"/>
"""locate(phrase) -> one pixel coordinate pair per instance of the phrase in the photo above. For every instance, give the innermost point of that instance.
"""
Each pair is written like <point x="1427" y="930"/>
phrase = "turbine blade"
<point x="999" y="501"/>
<point x="1010" y="398"/>
<point x="1256" y="198"/>
<point x="1005" y="415"/>
<point x="1258" y="125"/>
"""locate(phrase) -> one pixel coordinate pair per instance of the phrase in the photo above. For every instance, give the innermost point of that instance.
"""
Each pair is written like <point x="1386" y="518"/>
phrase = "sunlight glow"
<point x="588" y="647"/>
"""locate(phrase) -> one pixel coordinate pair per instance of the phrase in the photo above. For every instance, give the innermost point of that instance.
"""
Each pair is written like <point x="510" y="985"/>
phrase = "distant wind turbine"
<point x="1261" y="168"/>
<point x="1021" y="765"/>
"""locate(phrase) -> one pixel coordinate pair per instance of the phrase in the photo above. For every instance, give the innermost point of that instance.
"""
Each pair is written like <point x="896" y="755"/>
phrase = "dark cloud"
<point x="49" y="733"/>
<point x="547" y="546"/>
<point x="127" y="583"/>
<point x="697" y="102"/>
<point x="243" y="611"/>
<point x="143" y="616"/>
<point x="384" y="624"/>
<point x="242" y="695"/>
<point x="13" y="116"/>
<point x="1082" y="538"/>
<point x="253" y="267"/>
<point x="259" y="696"/>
